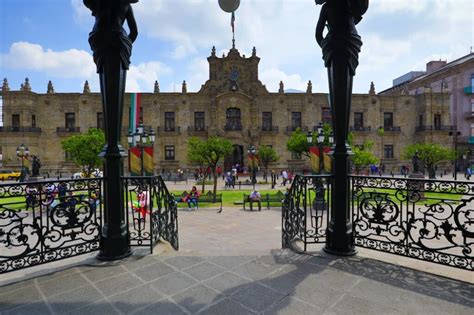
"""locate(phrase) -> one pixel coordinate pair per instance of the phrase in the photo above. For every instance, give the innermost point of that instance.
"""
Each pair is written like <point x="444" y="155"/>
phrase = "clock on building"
<point x="234" y="75"/>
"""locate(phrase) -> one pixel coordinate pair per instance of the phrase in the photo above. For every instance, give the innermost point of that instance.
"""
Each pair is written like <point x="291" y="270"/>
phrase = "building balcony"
<point x="434" y="128"/>
<point x="68" y="129"/>
<point x="469" y="115"/>
<point x="468" y="90"/>
<point x="392" y="128"/>
<point x="290" y="129"/>
<point x="20" y="129"/>
<point x="269" y="129"/>
<point x="170" y="130"/>
<point x="233" y="127"/>
<point x="360" y="128"/>
<point x="197" y="130"/>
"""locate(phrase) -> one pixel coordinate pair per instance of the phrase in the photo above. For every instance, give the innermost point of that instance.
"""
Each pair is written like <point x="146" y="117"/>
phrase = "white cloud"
<point x="82" y="15"/>
<point x="142" y="77"/>
<point x="72" y="63"/>
<point x="272" y="77"/>
<point x="391" y="6"/>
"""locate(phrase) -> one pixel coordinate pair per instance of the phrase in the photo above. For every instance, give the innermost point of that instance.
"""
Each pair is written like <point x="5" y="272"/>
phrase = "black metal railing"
<point x="360" y="128"/>
<point x="19" y="129"/>
<point x="197" y="129"/>
<point x="269" y="128"/>
<point x="430" y="220"/>
<point x="168" y="129"/>
<point x="392" y="128"/>
<point x="305" y="210"/>
<point x="46" y="221"/>
<point x="68" y="129"/>
<point x="151" y="212"/>
<point x="434" y="128"/>
<point x="233" y="127"/>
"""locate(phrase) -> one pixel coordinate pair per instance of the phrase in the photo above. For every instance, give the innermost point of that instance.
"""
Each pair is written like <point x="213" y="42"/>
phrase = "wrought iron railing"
<point x="68" y="129"/>
<point x="46" y="221"/>
<point x="19" y="129"/>
<point x="430" y="220"/>
<point x="360" y="128"/>
<point x="151" y="212"/>
<point x="305" y="210"/>
<point x="434" y="128"/>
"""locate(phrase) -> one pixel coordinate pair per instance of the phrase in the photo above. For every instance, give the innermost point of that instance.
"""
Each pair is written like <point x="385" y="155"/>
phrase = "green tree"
<point x="208" y="152"/>
<point x="297" y="143"/>
<point x="429" y="154"/>
<point x="84" y="149"/>
<point x="267" y="155"/>
<point x="362" y="156"/>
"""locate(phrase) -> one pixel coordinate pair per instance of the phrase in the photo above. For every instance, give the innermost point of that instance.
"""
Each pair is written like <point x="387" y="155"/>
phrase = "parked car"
<point x="9" y="174"/>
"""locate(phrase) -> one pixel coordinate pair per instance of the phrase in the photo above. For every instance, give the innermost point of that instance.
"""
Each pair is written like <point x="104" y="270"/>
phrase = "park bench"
<point x="204" y="198"/>
<point x="268" y="198"/>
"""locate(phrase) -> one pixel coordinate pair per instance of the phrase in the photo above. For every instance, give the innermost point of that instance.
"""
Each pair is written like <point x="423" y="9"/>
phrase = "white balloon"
<point x="229" y="5"/>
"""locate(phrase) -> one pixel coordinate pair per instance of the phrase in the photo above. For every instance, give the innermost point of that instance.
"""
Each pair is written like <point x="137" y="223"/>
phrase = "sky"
<point x="47" y="40"/>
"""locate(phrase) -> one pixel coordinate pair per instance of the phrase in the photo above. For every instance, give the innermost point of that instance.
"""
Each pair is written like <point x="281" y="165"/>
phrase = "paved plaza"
<point x="231" y="263"/>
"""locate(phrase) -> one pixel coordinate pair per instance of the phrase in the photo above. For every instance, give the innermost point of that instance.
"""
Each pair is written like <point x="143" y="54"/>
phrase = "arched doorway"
<point x="236" y="157"/>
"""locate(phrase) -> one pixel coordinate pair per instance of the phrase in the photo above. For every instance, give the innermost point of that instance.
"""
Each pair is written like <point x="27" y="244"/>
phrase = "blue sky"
<point x="47" y="40"/>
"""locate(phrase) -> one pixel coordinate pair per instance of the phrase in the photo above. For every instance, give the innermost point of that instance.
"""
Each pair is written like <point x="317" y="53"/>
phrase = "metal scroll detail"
<point x="152" y="212"/>
<point x="47" y="221"/>
<point x="305" y="210"/>
<point x="423" y="219"/>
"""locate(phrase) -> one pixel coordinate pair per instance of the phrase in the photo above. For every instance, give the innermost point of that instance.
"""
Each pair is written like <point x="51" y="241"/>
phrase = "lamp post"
<point x="252" y="151"/>
<point x="455" y="134"/>
<point x="22" y="152"/>
<point x="319" y="203"/>
<point x="142" y="140"/>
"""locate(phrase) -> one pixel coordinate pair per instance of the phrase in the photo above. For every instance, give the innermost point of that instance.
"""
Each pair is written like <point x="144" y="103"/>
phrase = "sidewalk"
<point x="230" y="263"/>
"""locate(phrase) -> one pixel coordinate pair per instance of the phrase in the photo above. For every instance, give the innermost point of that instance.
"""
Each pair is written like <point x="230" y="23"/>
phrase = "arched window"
<point x="233" y="119"/>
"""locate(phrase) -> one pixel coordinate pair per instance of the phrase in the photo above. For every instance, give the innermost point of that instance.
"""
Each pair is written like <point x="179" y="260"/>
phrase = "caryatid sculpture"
<point x="112" y="48"/>
<point x="340" y="48"/>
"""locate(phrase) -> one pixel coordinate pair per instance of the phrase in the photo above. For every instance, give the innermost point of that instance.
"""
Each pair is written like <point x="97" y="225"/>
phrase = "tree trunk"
<point x="214" y="174"/>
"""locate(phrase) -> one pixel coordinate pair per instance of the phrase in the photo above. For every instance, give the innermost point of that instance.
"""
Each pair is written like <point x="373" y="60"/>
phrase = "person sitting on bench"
<point x="193" y="197"/>
<point x="255" y="197"/>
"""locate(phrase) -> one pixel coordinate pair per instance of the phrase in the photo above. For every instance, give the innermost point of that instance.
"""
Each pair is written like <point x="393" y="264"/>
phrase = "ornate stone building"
<point x="233" y="104"/>
<point x="455" y="81"/>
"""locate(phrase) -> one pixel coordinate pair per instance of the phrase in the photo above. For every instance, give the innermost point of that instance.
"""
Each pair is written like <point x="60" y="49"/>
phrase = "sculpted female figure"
<point x="341" y="17"/>
<point x="108" y="33"/>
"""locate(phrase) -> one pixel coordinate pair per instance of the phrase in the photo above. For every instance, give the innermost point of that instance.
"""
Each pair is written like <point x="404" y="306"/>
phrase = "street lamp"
<point x="141" y="139"/>
<point x="455" y="134"/>
<point x="319" y="202"/>
<point x="252" y="151"/>
<point x="22" y="152"/>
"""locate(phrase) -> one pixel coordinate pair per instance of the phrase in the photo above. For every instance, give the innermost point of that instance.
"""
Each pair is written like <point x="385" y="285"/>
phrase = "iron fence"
<point x="305" y="210"/>
<point x="151" y="212"/>
<point x="45" y="221"/>
<point x="430" y="220"/>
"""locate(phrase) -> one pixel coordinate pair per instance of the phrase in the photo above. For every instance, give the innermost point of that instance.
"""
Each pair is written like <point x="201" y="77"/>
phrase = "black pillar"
<point x="112" y="48"/>
<point x="339" y="236"/>
<point x="114" y="239"/>
<point x="340" y="47"/>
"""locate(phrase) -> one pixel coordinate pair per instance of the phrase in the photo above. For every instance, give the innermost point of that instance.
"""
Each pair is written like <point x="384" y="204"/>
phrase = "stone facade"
<point x="233" y="104"/>
<point x="455" y="82"/>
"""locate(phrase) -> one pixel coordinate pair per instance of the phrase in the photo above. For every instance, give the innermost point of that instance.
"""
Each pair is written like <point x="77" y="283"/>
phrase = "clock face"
<point x="234" y="75"/>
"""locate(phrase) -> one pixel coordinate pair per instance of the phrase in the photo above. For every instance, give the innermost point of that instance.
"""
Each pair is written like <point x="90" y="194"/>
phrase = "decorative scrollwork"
<point x="47" y="220"/>
<point x="424" y="219"/>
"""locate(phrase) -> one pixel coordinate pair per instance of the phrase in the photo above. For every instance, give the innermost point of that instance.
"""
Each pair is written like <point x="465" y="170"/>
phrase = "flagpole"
<point x="232" y="20"/>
